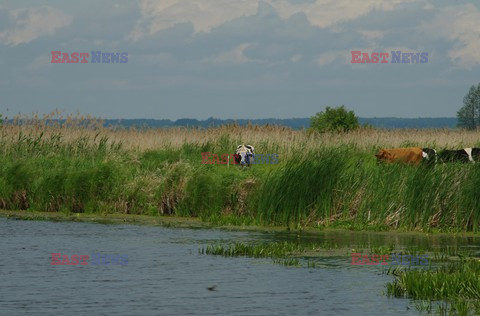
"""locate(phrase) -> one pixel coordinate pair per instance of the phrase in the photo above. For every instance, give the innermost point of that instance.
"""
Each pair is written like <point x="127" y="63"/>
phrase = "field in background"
<point x="320" y="180"/>
<point x="284" y="138"/>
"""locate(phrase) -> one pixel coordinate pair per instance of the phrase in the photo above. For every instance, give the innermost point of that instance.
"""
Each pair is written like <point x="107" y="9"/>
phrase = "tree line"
<point x="339" y="119"/>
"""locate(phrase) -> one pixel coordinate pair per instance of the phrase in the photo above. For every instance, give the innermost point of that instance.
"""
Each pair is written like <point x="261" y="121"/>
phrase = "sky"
<point x="238" y="58"/>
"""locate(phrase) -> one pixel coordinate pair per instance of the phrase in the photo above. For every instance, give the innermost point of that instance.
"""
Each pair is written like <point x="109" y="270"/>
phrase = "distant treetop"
<point x="469" y="114"/>
<point x="334" y="120"/>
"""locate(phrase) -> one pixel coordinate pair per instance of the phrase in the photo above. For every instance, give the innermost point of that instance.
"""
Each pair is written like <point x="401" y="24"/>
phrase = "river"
<point x="166" y="275"/>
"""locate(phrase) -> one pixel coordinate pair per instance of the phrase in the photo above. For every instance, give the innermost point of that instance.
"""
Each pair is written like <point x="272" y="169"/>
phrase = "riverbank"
<point x="319" y="181"/>
<point x="196" y="223"/>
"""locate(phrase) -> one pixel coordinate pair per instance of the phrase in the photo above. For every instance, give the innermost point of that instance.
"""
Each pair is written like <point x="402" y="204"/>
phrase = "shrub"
<point x="334" y="120"/>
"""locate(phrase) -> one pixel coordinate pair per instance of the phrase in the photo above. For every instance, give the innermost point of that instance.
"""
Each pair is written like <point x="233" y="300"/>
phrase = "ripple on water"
<point x="166" y="275"/>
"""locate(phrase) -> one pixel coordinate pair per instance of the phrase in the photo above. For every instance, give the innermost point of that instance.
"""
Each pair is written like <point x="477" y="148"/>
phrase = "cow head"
<point x="244" y="155"/>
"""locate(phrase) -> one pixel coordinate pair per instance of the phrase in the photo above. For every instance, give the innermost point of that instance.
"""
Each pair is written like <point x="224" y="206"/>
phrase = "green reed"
<point x="457" y="283"/>
<point x="329" y="186"/>
<point x="258" y="250"/>
<point x="283" y="253"/>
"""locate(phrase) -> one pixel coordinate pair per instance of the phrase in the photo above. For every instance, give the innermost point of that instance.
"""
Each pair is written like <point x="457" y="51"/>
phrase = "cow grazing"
<point x="244" y="155"/>
<point x="429" y="155"/>
<point x="411" y="155"/>
<point x="461" y="155"/>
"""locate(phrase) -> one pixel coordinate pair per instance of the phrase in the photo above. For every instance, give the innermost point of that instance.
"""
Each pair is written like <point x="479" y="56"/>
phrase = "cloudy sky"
<point x="237" y="58"/>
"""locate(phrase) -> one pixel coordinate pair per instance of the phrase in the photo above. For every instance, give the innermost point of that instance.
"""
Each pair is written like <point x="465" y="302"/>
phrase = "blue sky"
<point x="237" y="58"/>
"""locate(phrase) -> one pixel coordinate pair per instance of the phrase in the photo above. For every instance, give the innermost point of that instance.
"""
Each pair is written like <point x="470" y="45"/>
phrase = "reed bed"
<point x="259" y="250"/>
<point x="454" y="288"/>
<point x="284" y="139"/>
<point x="282" y="253"/>
<point x="76" y="165"/>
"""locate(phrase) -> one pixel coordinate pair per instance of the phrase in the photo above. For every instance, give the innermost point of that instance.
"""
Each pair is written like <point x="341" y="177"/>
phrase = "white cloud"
<point x="459" y="24"/>
<point x="208" y="14"/>
<point x="326" y="13"/>
<point x="203" y="14"/>
<point x="33" y="23"/>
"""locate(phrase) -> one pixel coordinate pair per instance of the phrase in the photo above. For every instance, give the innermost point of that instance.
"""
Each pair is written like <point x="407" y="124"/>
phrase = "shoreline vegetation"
<point x="328" y="180"/>
<point x="197" y="223"/>
<point x="81" y="171"/>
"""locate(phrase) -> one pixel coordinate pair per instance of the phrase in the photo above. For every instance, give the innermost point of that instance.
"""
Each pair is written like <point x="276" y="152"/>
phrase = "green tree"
<point x="334" y="120"/>
<point x="469" y="114"/>
<point x="1" y="120"/>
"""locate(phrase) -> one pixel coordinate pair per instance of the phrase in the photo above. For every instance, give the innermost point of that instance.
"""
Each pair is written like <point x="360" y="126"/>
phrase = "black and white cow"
<point x="244" y="155"/>
<point x="461" y="155"/>
<point x="429" y="155"/>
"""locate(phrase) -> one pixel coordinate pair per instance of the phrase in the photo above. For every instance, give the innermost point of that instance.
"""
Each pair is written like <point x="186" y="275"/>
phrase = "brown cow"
<point x="411" y="155"/>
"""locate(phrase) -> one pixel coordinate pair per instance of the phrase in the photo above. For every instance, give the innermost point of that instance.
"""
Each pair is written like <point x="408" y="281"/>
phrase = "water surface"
<point x="166" y="275"/>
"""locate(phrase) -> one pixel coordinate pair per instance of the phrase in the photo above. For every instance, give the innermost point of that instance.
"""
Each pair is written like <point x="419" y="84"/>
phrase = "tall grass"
<point x="457" y="283"/>
<point x="319" y="180"/>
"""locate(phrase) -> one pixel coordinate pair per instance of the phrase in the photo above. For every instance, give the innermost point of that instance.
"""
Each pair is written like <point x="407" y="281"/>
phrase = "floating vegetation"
<point x="288" y="262"/>
<point x="457" y="284"/>
<point x="424" y="306"/>
<point x="284" y="253"/>
<point x="311" y="264"/>
<point x="382" y="250"/>
<point x="262" y="250"/>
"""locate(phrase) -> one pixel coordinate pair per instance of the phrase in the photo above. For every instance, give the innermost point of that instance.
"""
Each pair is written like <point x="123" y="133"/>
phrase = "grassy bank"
<point x="320" y="180"/>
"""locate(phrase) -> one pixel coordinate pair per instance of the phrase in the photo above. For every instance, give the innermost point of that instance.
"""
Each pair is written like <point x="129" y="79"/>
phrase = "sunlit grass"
<point x="327" y="180"/>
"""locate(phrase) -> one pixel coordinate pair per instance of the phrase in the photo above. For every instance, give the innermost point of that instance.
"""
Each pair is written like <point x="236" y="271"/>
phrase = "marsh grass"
<point x="382" y="250"/>
<point x="328" y="180"/>
<point x="457" y="283"/>
<point x="288" y="262"/>
<point x="259" y="250"/>
<point x="283" y="253"/>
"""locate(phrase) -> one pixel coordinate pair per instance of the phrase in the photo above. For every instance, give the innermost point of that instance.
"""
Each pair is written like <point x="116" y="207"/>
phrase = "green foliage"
<point x="334" y="120"/>
<point x="203" y="194"/>
<point x="285" y="253"/>
<point x="262" y="250"/>
<point x="338" y="186"/>
<point x="458" y="283"/>
<point x="469" y="114"/>
<point x="302" y="187"/>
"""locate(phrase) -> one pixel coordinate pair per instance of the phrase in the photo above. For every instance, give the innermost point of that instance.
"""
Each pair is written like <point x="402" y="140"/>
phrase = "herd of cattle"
<point x="245" y="154"/>
<point x="417" y="155"/>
